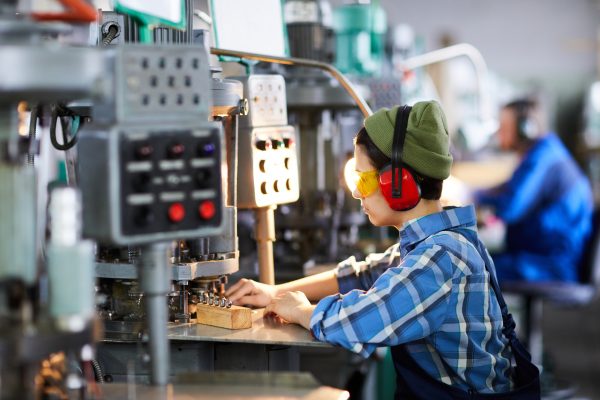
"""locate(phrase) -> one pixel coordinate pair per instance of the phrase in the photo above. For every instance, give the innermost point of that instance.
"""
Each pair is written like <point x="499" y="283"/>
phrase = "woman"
<point x="429" y="297"/>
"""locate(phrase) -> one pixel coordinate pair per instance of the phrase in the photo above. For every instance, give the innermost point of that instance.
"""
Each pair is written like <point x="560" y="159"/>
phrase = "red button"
<point x="207" y="209"/>
<point x="176" y="212"/>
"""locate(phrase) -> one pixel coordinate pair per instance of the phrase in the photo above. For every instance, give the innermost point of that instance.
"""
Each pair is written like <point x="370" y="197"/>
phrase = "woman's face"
<point x="374" y="205"/>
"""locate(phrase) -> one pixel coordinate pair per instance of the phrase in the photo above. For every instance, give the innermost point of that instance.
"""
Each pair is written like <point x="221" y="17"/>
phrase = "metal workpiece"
<point x="155" y="284"/>
<point x="346" y="84"/>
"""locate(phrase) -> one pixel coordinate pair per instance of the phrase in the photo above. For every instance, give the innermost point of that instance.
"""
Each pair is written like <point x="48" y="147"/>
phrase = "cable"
<point x="113" y="31"/>
<point x="59" y="111"/>
<point x="32" y="134"/>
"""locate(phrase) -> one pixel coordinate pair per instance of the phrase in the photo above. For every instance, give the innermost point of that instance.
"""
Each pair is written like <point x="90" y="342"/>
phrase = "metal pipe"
<point x="155" y="285"/>
<point x="346" y="84"/>
<point x="448" y="53"/>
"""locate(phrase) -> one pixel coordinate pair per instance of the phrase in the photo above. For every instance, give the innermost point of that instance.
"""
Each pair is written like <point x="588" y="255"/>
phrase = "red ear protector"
<point x="397" y="182"/>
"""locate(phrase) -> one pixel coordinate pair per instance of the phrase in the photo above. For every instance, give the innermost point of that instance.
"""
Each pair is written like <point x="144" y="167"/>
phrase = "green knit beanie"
<point x="426" y="147"/>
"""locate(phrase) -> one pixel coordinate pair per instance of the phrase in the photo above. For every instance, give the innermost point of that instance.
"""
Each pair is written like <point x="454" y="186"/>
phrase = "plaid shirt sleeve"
<point x="406" y="303"/>
<point x="352" y="274"/>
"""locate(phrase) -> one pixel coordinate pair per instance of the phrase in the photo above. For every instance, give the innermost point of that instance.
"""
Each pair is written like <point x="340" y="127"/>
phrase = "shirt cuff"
<point x="347" y="276"/>
<point x="318" y="315"/>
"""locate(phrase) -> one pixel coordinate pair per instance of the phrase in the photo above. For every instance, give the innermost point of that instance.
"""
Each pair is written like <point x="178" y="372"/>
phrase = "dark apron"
<point x="412" y="382"/>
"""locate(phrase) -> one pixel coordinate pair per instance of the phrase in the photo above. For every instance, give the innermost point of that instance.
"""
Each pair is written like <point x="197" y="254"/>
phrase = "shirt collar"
<point x="419" y="229"/>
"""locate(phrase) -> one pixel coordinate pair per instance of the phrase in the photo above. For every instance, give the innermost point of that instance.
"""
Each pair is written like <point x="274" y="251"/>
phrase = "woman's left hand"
<point x="293" y="307"/>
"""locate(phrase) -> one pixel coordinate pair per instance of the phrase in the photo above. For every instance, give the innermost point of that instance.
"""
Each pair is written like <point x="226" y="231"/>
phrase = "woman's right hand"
<point x="252" y="293"/>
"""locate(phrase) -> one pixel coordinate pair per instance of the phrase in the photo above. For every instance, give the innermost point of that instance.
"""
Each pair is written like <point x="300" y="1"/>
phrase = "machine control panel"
<point x="169" y="181"/>
<point x="268" y="167"/>
<point x="157" y="82"/>
<point x="266" y="100"/>
<point x="152" y="185"/>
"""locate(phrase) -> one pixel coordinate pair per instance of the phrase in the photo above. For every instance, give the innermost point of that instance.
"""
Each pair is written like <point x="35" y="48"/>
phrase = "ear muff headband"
<point x="397" y="182"/>
<point x="398" y="148"/>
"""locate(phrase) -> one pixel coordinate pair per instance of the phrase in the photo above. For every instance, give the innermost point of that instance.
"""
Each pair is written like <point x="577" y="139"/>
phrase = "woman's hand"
<point x="252" y="293"/>
<point x="293" y="307"/>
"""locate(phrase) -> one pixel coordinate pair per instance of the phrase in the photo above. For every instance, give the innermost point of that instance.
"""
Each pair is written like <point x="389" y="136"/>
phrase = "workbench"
<point x="229" y="386"/>
<point x="268" y="346"/>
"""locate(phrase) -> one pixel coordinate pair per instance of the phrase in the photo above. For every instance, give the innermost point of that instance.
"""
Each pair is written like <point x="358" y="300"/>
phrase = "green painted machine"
<point x="360" y="38"/>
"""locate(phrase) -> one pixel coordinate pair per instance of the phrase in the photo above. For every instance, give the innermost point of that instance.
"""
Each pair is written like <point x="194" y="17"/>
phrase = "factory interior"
<point x="183" y="194"/>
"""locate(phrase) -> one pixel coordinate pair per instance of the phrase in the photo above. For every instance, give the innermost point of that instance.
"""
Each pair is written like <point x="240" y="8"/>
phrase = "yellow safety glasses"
<point x="365" y="182"/>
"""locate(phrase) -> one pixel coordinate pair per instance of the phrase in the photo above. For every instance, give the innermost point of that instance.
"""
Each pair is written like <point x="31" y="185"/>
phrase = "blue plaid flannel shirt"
<point x="431" y="292"/>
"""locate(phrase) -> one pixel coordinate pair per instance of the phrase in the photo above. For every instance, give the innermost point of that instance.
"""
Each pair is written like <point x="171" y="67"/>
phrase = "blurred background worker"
<point x="546" y="204"/>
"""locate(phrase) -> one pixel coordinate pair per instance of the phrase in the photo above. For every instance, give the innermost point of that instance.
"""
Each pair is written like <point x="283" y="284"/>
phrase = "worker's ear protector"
<point x="527" y="127"/>
<point x="396" y="181"/>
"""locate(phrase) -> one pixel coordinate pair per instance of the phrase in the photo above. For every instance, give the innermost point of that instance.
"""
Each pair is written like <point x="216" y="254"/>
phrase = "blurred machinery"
<point x="38" y="313"/>
<point x="157" y="181"/>
<point x="310" y="30"/>
<point x="360" y="38"/>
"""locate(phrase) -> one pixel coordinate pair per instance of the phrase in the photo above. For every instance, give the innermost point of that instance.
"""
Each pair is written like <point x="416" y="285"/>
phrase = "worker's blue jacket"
<point x="547" y="206"/>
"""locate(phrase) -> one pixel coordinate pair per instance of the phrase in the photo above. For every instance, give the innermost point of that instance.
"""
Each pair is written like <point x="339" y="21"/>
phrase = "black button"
<point x="176" y="150"/>
<point x="263" y="144"/>
<point x="206" y="149"/>
<point x="143" y="216"/>
<point x="144" y="151"/>
<point x="204" y="177"/>
<point x="141" y="182"/>
<point x="275" y="143"/>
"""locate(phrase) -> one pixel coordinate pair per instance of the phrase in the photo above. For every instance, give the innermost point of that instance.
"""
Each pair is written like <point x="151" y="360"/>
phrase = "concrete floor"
<point x="572" y="344"/>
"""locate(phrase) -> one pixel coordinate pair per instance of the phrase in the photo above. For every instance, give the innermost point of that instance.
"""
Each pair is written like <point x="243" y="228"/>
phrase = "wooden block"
<point x="231" y="318"/>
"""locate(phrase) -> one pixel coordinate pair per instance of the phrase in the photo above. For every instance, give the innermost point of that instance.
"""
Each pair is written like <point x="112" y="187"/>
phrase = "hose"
<point x="113" y="31"/>
<point x="98" y="371"/>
